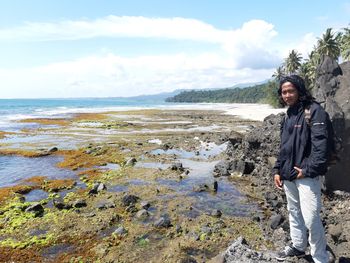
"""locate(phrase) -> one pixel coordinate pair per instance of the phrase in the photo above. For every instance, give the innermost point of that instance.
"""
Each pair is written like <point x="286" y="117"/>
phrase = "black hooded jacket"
<point x="303" y="145"/>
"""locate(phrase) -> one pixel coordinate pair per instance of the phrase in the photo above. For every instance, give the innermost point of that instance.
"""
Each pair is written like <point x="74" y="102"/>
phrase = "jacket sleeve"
<point x="277" y="166"/>
<point x="316" y="164"/>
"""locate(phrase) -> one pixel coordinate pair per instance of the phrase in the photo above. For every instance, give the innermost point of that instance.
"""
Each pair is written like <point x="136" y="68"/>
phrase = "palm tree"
<point x="329" y="44"/>
<point x="309" y="68"/>
<point x="345" y="44"/>
<point x="279" y="73"/>
<point x="293" y="62"/>
<point x="304" y="72"/>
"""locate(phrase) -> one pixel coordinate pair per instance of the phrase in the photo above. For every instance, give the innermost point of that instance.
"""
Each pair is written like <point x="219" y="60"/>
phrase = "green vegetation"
<point x="332" y="44"/>
<point x="229" y="95"/>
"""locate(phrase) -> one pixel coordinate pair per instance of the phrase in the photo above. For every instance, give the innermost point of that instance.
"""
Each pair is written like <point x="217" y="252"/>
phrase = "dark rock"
<point x="178" y="229"/>
<point x="120" y="231"/>
<point x="215" y="186"/>
<point x="166" y="146"/>
<point x="256" y="218"/>
<point x="105" y="205"/>
<point x="275" y="204"/>
<point x="35" y="208"/>
<point x="131" y="161"/>
<point x="79" y="203"/>
<point x="128" y="200"/>
<point x="235" y="140"/>
<point x="332" y="91"/>
<point x="272" y="200"/>
<point x="269" y="196"/>
<point x="53" y="149"/>
<point x="142" y="214"/>
<point x="216" y="213"/>
<point x="177" y="167"/>
<point x="97" y="187"/>
<point x="162" y="222"/>
<point x="131" y="209"/>
<point x="222" y="169"/>
<point x="145" y="205"/>
<point x="241" y="167"/>
<point x="275" y="221"/>
<point x="60" y="204"/>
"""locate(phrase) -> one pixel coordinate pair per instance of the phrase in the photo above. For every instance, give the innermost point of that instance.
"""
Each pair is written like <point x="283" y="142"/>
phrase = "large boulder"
<point x="332" y="90"/>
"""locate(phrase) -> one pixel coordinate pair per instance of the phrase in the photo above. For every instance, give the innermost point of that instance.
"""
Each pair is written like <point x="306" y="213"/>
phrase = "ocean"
<point x="12" y="110"/>
<point x="13" y="169"/>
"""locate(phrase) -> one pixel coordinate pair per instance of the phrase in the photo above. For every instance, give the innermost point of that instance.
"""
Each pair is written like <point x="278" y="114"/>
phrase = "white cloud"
<point x="252" y="39"/>
<point x="306" y="45"/>
<point x="245" y="54"/>
<point x="252" y="32"/>
<point x="116" y="76"/>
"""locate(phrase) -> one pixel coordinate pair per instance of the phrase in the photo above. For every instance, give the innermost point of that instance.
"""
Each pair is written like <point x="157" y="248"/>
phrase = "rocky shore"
<point x="252" y="156"/>
<point x="160" y="186"/>
<point x="123" y="186"/>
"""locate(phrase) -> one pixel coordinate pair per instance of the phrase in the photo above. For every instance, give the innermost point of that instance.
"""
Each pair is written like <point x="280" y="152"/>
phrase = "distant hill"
<point x="157" y="97"/>
<point x="166" y="96"/>
<point x="251" y="94"/>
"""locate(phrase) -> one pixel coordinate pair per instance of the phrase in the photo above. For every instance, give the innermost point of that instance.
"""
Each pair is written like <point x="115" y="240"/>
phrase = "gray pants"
<point x="304" y="206"/>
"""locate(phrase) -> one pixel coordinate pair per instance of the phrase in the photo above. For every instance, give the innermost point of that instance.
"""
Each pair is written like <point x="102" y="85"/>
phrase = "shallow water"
<point x="124" y="187"/>
<point x="36" y="195"/>
<point x="227" y="199"/>
<point x="117" y="188"/>
<point x="18" y="141"/>
<point x="52" y="252"/>
<point x="13" y="169"/>
<point x="152" y="165"/>
<point x="205" y="151"/>
<point x="109" y="166"/>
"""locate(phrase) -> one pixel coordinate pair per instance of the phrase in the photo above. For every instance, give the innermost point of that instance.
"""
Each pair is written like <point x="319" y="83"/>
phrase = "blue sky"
<point x="86" y="48"/>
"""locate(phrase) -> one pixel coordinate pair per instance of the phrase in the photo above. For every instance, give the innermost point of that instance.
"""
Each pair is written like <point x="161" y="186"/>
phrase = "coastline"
<point x="175" y="142"/>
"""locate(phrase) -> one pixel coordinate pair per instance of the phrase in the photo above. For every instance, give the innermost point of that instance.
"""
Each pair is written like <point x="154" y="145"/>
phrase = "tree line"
<point x="229" y="95"/>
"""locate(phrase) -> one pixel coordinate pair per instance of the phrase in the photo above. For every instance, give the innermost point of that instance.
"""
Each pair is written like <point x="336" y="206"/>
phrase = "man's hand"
<point x="300" y="172"/>
<point x="278" y="181"/>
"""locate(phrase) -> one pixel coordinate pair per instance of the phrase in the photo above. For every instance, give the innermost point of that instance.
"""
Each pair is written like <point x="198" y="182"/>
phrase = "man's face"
<point x="290" y="94"/>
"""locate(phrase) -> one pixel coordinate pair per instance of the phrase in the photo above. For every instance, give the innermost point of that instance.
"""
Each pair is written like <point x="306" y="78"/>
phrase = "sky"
<point x="115" y="48"/>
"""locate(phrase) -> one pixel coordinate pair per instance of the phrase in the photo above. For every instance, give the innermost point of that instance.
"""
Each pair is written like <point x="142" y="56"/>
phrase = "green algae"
<point x="42" y="240"/>
<point x="69" y="225"/>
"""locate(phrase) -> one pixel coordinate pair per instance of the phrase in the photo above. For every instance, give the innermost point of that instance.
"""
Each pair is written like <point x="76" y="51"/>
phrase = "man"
<point x="301" y="161"/>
